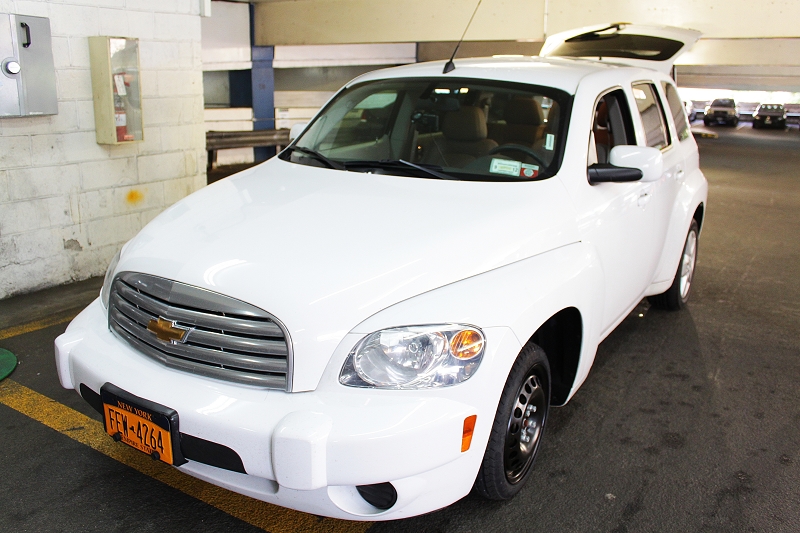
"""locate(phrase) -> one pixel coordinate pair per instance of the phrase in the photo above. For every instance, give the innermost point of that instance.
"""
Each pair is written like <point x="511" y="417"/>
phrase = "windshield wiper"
<point x="319" y="157"/>
<point x="394" y="163"/>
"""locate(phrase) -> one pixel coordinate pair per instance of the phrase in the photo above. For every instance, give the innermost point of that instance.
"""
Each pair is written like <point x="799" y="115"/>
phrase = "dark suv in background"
<point x="722" y="111"/>
<point x="770" y="116"/>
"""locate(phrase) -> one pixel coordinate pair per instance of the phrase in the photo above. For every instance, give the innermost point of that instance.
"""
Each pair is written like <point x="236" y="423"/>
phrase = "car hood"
<point x="323" y="250"/>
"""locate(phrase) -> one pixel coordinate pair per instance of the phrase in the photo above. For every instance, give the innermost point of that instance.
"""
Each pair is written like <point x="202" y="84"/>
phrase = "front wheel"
<point x="675" y="298"/>
<point x="517" y="428"/>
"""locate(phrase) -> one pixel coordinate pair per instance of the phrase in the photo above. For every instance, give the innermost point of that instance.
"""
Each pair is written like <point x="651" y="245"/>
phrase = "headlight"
<point x="105" y="293"/>
<point x="415" y="357"/>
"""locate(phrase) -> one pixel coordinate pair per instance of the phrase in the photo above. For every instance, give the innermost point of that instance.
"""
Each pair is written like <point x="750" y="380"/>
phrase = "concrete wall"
<point x="226" y="37"/>
<point x="67" y="204"/>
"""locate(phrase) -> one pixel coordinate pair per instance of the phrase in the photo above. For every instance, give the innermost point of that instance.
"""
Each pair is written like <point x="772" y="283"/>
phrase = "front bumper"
<point x="721" y="117"/>
<point x="309" y="450"/>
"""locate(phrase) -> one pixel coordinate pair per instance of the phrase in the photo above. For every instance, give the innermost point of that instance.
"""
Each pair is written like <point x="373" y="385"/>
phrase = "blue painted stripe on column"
<point x="263" y="95"/>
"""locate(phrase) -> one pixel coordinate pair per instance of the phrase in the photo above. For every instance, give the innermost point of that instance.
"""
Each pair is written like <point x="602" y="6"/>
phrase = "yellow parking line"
<point x="52" y="320"/>
<point x="90" y="432"/>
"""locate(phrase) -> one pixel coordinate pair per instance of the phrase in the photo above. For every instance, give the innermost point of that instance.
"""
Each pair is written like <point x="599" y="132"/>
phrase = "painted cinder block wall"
<point x="67" y="204"/>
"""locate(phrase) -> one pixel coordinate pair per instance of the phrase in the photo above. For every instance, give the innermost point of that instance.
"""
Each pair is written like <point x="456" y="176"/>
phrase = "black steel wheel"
<point x="518" y="427"/>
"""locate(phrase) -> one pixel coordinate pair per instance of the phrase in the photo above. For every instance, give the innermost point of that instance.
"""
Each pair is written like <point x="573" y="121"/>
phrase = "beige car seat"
<point x="464" y="137"/>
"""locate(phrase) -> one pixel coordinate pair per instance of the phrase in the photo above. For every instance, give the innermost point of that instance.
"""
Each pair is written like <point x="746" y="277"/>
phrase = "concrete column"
<point x="263" y="96"/>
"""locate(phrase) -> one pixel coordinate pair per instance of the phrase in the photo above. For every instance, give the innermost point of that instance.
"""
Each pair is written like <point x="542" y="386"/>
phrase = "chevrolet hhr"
<point x="377" y="321"/>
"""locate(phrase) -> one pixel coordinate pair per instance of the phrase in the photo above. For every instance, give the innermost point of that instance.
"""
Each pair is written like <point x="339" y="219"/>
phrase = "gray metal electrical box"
<point x="27" y="72"/>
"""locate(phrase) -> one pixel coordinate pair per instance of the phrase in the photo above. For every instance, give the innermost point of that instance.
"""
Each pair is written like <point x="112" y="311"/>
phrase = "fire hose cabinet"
<point x="116" y="89"/>
<point x="27" y="71"/>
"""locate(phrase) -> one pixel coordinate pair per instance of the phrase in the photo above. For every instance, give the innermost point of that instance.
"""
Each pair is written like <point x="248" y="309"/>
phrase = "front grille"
<point x="227" y="339"/>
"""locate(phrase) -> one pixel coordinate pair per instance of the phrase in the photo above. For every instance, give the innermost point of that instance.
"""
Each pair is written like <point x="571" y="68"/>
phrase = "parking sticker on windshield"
<point x="549" y="141"/>
<point x="506" y="166"/>
<point x="528" y="171"/>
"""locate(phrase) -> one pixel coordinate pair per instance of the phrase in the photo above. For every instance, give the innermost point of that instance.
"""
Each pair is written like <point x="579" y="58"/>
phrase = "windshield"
<point x="439" y="128"/>
<point x="723" y="102"/>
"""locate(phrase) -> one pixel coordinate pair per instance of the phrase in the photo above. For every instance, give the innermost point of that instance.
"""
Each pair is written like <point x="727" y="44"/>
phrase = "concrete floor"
<point x="689" y="421"/>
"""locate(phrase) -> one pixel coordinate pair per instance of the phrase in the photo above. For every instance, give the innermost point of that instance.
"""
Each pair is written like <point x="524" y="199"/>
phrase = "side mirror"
<point x="628" y="163"/>
<point x="296" y="130"/>
<point x="648" y="160"/>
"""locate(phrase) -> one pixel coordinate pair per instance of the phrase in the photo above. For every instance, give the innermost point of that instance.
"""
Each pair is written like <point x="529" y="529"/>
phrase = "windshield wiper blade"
<point x="319" y="157"/>
<point x="440" y="175"/>
<point x="394" y="163"/>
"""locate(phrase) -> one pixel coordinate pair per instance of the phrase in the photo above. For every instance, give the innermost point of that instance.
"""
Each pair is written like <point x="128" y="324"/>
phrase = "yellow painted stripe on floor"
<point x="52" y="320"/>
<point x="90" y="432"/>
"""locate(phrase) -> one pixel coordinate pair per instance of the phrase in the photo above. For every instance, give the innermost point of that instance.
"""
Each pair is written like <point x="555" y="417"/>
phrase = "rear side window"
<point x="677" y="111"/>
<point x="649" y="106"/>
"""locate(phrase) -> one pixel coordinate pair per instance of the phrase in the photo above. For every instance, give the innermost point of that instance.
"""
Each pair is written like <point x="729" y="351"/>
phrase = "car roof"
<point x="559" y="73"/>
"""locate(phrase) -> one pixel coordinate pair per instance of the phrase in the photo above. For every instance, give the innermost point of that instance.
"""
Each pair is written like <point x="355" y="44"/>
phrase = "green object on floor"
<point x="8" y="362"/>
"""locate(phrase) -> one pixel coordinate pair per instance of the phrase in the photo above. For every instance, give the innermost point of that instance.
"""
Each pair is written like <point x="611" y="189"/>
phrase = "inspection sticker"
<point x="549" y="141"/>
<point x="506" y="166"/>
<point x="528" y="171"/>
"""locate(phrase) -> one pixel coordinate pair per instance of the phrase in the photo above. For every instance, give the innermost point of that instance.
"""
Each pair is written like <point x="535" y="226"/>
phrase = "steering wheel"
<point x="517" y="148"/>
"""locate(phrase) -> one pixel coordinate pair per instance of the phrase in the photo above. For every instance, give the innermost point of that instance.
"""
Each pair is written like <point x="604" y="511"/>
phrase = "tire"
<point x="755" y="125"/>
<point x="735" y="122"/>
<point x="706" y="122"/>
<point x="522" y="413"/>
<point x="675" y="298"/>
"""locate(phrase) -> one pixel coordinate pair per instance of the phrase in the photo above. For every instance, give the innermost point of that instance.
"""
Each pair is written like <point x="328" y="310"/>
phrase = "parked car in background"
<point x="691" y="112"/>
<point x="769" y="116"/>
<point x="722" y="111"/>
<point x="378" y="319"/>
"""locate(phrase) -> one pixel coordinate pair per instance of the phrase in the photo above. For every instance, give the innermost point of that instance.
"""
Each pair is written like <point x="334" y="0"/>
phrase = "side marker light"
<point x="469" y="428"/>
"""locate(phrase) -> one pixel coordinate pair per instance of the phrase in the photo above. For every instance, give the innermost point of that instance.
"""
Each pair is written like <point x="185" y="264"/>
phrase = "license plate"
<point x="767" y="120"/>
<point x="147" y="426"/>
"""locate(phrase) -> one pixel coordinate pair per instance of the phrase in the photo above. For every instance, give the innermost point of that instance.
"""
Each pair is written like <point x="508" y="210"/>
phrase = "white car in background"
<point x="378" y="320"/>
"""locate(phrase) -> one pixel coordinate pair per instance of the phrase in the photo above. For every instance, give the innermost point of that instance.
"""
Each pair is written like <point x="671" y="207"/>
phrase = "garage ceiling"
<point x="744" y="46"/>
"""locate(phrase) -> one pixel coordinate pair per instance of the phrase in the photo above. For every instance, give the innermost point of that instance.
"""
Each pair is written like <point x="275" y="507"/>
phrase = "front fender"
<point x="520" y="296"/>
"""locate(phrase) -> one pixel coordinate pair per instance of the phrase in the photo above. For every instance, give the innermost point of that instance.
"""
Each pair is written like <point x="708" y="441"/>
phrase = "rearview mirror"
<point x="296" y="130"/>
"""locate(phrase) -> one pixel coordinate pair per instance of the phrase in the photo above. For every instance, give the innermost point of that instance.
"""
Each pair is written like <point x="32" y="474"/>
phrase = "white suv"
<point x="379" y="319"/>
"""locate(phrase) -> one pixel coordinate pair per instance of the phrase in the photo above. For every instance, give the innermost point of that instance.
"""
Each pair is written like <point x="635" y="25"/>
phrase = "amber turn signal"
<point x="469" y="428"/>
<point x="467" y="344"/>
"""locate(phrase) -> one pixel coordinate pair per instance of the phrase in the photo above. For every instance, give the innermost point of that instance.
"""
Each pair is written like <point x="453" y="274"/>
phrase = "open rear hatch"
<point x="655" y="47"/>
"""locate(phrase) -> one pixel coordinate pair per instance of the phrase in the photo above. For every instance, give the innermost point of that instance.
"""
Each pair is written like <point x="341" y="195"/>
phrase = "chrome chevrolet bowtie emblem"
<point x="167" y="330"/>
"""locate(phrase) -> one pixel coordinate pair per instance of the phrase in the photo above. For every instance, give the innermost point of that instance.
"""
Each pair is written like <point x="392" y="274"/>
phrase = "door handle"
<point x="644" y="197"/>
<point x="27" y="29"/>
<point x="679" y="174"/>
